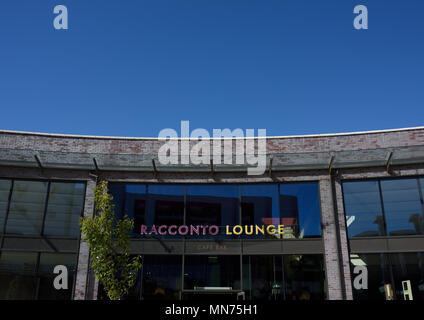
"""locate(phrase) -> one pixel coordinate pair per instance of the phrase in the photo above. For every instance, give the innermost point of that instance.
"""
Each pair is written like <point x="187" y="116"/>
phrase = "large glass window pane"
<point x="130" y="200"/>
<point x="48" y="261"/>
<point x="27" y="207"/>
<point x="364" y="215"/>
<point x="64" y="208"/>
<point x="17" y="276"/>
<point x="300" y="210"/>
<point x="408" y="273"/>
<point x="402" y="207"/>
<point x="161" y="277"/>
<point x="378" y="275"/>
<point x="259" y="206"/>
<point x="304" y="277"/>
<point x="4" y="198"/>
<point x="165" y="207"/>
<point x="213" y="272"/>
<point x="262" y="277"/>
<point x="216" y="205"/>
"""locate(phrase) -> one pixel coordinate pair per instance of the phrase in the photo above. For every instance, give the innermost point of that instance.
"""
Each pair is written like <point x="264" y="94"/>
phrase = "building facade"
<point x="344" y="201"/>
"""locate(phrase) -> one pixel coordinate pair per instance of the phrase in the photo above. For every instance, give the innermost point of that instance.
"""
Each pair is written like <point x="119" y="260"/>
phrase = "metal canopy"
<point x="275" y="161"/>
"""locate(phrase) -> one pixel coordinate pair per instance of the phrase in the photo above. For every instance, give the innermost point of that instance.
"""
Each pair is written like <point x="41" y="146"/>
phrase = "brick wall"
<point x="324" y="143"/>
<point x="336" y="253"/>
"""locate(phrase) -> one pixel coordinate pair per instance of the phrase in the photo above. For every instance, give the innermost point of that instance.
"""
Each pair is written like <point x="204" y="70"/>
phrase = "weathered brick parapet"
<point x="289" y="144"/>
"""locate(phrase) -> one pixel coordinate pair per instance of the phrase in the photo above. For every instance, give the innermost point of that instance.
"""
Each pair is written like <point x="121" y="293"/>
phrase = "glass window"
<point x="263" y="277"/>
<point x="161" y="277"/>
<point x="48" y="261"/>
<point x="27" y="207"/>
<point x="218" y="272"/>
<point x="408" y="273"/>
<point x="364" y="215"/>
<point x="213" y="205"/>
<point x="397" y="276"/>
<point x="402" y="207"/>
<point x="165" y="206"/>
<point x="130" y="200"/>
<point x="65" y="206"/>
<point x="4" y="198"/>
<point x="300" y="210"/>
<point x="304" y="277"/>
<point x="378" y="275"/>
<point x="259" y="206"/>
<point x="17" y="271"/>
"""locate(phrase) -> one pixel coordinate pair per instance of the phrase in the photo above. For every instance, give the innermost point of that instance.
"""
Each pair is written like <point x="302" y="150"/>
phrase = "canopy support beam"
<point x="270" y="166"/>
<point x="40" y="165"/>
<point x="389" y="160"/>
<point x="330" y="165"/>
<point x="155" y="170"/>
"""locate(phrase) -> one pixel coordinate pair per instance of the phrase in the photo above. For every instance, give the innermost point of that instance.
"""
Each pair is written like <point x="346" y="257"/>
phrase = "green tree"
<point x="109" y="241"/>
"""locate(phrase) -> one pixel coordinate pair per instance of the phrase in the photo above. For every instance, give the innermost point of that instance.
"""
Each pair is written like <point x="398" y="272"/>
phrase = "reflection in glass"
<point x="27" y="207"/>
<point x="408" y="268"/>
<point x="211" y="271"/>
<point x="165" y="206"/>
<point x="65" y="206"/>
<point x="161" y="277"/>
<point x="378" y="275"/>
<point x="48" y="261"/>
<point x="4" y="198"/>
<point x="364" y="215"/>
<point x="300" y="210"/>
<point x="262" y="277"/>
<point x="259" y="206"/>
<point x="402" y="207"/>
<point x="304" y="277"/>
<point x="213" y="205"/>
<point x="130" y="200"/>
<point x="17" y="275"/>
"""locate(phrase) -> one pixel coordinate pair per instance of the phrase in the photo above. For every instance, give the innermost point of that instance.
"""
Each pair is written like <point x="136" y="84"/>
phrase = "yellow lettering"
<point x="240" y="229"/>
<point x="273" y="229"/>
<point x="248" y="232"/>
<point x="261" y="229"/>
<point x="227" y="231"/>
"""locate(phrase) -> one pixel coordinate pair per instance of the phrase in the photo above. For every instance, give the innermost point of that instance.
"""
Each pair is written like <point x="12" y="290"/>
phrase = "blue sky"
<point x="132" y="68"/>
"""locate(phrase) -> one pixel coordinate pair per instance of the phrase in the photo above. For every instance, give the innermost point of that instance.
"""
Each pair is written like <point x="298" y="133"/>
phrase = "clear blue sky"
<point x="132" y="68"/>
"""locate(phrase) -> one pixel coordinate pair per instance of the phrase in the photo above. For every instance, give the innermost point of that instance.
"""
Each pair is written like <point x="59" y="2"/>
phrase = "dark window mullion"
<point x="420" y="191"/>
<point x="388" y="260"/>
<point x="9" y="199"/>
<point x="122" y="213"/>
<point x="36" y="278"/>
<point x="184" y="246"/>
<point x="45" y="208"/>
<point x="382" y="208"/>
<point x="146" y="199"/>
<point x="283" y="279"/>
<point x="240" y="241"/>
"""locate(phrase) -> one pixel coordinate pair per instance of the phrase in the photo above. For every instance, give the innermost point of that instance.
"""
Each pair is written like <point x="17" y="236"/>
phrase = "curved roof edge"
<point x="58" y="135"/>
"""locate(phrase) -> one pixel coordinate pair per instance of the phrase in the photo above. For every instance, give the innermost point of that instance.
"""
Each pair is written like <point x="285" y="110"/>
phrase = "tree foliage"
<point x="109" y="241"/>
